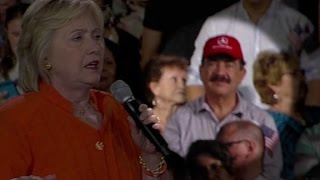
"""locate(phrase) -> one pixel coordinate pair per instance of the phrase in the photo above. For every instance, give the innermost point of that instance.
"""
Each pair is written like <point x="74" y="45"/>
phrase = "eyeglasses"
<point x="229" y="144"/>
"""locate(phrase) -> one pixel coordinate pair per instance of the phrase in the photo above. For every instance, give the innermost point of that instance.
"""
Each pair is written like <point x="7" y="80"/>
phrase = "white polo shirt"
<point x="270" y="33"/>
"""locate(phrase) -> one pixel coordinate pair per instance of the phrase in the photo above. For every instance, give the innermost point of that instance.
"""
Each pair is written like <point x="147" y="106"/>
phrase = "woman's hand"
<point x="146" y="117"/>
<point x="150" y="156"/>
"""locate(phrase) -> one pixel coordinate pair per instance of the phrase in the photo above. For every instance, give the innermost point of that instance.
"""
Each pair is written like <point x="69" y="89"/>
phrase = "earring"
<point x="275" y="98"/>
<point x="48" y="66"/>
<point x="154" y="103"/>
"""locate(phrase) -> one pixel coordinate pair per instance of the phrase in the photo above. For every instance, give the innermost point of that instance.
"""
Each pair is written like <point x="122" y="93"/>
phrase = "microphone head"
<point x="120" y="91"/>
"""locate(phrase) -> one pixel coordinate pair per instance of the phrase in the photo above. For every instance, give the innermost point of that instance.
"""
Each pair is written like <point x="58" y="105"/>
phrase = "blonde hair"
<point x="39" y="22"/>
<point x="269" y="68"/>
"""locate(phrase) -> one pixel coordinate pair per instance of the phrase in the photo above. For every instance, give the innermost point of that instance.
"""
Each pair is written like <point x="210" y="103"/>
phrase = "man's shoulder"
<point x="187" y="110"/>
<point x="255" y="111"/>
<point x="192" y="106"/>
<point x="290" y="13"/>
<point x="284" y="8"/>
<point x="252" y="107"/>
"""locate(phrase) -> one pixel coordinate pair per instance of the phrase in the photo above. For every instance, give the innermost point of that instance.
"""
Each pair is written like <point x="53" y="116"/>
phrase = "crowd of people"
<point x="232" y="88"/>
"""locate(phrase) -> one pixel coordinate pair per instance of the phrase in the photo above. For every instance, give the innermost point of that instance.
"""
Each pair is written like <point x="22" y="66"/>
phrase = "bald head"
<point x="245" y="142"/>
<point x="242" y="130"/>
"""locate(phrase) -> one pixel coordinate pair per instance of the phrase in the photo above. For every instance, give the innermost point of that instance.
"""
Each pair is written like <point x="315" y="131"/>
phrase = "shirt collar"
<point x="240" y="108"/>
<point x="48" y="92"/>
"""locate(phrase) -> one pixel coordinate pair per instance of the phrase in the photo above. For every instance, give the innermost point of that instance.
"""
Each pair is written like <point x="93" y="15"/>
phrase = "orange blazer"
<point x="40" y="136"/>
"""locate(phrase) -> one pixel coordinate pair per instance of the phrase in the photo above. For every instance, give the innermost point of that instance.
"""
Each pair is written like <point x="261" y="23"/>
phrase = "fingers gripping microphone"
<point x="122" y="93"/>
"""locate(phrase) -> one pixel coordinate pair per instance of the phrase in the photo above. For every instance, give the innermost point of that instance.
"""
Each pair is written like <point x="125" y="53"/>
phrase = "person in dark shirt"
<point x="170" y="27"/>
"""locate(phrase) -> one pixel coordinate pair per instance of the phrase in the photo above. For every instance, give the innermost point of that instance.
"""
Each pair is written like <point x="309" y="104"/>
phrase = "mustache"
<point x="220" y="78"/>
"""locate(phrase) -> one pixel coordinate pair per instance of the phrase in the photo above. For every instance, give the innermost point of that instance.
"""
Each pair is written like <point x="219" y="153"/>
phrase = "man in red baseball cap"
<point x="222" y="68"/>
<point x="223" y="44"/>
<point x="221" y="71"/>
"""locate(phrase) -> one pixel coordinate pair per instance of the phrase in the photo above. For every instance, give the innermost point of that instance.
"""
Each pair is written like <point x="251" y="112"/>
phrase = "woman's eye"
<point x="98" y="36"/>
<point x="174" y="79"/>
<point x="77" y="38"/>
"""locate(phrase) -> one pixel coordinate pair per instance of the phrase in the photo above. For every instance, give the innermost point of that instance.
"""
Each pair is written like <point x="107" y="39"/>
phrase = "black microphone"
<point x="122" y="93"/>
<point x="176" y="164"/>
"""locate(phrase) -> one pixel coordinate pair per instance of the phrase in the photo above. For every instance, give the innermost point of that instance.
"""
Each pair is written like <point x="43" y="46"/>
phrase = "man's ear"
<point x="251" y="148"/>
<point x="201" y="71"/>
<point x="243" y="71"/>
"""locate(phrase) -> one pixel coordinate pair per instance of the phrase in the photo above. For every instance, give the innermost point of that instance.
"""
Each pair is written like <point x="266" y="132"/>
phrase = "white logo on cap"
<point x="223" y="41"/>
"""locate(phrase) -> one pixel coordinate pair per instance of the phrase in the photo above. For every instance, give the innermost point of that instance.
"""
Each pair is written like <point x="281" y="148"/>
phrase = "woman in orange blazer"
<point x="61" y="128"/>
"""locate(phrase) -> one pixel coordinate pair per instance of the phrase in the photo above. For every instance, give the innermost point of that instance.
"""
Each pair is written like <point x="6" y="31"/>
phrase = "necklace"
<point x="84" y="109"/>
<point x="90" y="116"/>
<point x="81" y="110"/>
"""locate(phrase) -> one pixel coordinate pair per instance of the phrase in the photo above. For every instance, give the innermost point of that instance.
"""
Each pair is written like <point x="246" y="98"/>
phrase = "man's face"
<point x="239" y="148"/>
<point x="239" y="152"/>
<point x="221" y="77"/>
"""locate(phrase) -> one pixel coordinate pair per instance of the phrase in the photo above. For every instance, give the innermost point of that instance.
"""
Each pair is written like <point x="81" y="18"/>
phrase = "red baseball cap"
<point x="223" y="44"/>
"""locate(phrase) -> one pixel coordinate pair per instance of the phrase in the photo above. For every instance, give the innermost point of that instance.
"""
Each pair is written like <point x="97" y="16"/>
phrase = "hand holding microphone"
<point x="146" y="132"/>
<point x="146" y="117"/>
<point x="145" y="120"/>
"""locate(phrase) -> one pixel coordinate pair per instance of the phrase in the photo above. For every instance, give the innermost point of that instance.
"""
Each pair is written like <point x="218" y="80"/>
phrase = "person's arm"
<point x="151" y="40"/>
<point x="171" y="132"/>
<point x="306" y="155"/>
<point x="154" y="166"/>
<point x="152" y="161"/>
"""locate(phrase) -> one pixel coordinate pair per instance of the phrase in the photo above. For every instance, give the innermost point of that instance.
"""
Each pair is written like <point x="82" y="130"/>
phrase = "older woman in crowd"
<point x="280" y="84"/>
<point x="166" y="82"/>
<point x="61" y="127"/>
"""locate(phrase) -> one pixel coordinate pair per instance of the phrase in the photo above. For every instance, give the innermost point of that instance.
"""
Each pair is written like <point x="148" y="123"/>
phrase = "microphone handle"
<point x="154" y="136"/>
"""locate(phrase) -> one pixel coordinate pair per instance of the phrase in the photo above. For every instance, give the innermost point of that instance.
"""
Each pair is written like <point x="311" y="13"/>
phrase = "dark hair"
<point x="154" y="69"/>
<point x="8" y="59"/>
<point x="211" y="148"/>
